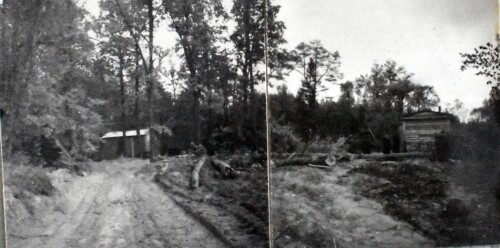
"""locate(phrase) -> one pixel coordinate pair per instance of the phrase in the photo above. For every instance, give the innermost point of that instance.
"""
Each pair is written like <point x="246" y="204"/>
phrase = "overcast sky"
<point x="424" y="36"/>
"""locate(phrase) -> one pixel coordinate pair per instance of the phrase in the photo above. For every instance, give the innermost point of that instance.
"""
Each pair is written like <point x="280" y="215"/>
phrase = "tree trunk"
<point x="246" y="54"/>
<point x="122" y="99"/>
<point x="253" y="109"/>
<point x="225" y="104"/>
<point x="196" y="116"/>
<point x="137" y="82"/>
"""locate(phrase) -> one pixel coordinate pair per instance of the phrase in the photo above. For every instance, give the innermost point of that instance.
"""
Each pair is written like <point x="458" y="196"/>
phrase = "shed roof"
<point x="427" y="115"/>
<point x="128" y="133"/>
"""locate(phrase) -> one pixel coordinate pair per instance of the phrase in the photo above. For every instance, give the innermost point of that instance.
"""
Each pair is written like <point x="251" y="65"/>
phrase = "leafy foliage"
<point x="316" y="65"/>
<point x="47" y="63"/>
<point x="197" y="23"/>
<point x="485" y="60"/>
<point x="388" y="92"/>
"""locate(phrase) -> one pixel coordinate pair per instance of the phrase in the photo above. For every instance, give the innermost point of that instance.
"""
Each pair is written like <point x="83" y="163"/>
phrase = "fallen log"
<point x="303" y="160"/>
<point x="294" y="155"/>
<point x="67" y="161"/>
<point x="327" y="168"/>
<point x="394" y="156"/>
<point x="65" y="154"/>
<point x="224" y="168"/>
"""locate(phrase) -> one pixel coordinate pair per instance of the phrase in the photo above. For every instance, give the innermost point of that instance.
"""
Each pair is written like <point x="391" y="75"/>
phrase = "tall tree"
<point x="118" y="48"/>
<point x="388" y="92"/>
<point x="248" y="38"/>
<point x="139" y="17"/>
<point x="389" y="87"/>
<point x="46" y="62"/>
<point x="317" y="65"/>
<point x="197" y="23"/>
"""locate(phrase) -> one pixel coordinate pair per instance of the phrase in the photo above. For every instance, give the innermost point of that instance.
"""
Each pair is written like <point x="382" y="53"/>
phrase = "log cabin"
<point x="418" y="130"/>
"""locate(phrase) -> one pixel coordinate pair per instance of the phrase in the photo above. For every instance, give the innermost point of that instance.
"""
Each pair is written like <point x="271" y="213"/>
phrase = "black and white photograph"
<point x="250" y="123"/>
<point x="385" y="124"/>
<point x="134" y="123"/>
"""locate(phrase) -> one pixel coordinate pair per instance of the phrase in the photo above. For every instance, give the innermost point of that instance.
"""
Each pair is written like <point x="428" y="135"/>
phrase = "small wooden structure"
<point x="418" y="130"/>
<point x="133" y="145"/>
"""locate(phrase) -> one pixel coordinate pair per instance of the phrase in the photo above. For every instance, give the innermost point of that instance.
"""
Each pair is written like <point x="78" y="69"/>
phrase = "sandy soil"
<point x="235" y="209"/>
<point x="304" y="196"/>
<point x="115" y="206"/>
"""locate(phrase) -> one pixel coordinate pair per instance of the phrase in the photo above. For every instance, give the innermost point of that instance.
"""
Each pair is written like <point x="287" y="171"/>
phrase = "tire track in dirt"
<point x="47" y="228"/>
<point x="177" y="232"/>
<point x="229" y="225"/>
<point x="118" y="208"/>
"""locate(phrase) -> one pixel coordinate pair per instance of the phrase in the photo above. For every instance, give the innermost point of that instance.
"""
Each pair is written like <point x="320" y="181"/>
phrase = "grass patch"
<point x="417" y="194"/>
<point x="313" y="207"/>
<point x="249" y="189"/>
<point x="30" y="179"/>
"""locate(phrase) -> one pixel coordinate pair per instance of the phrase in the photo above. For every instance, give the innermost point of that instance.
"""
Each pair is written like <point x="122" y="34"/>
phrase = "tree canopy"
<point x="485" y="60"/>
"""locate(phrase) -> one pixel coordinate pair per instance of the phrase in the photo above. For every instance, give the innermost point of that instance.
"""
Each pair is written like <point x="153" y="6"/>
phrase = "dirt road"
<point x="326" y="203"/>
<point x="115" y="206"/>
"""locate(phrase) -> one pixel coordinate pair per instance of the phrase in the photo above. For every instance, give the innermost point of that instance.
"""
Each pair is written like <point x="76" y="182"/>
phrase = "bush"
<point x="475" y="141"/>
<point x="49" y="151"/>
<point x="443" y="146"/>
<point x="386" y="145"/>
<point x="320" y="145"/>
<point x="283" y="139"/>
<point x="223" y="139"/>
<point x="362" y="142"/>
<point x="31" y="179"/>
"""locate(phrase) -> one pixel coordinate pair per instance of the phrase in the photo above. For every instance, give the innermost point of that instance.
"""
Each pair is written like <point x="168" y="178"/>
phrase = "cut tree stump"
<point x="223" y="167"/>
<point x="195" y="175"/>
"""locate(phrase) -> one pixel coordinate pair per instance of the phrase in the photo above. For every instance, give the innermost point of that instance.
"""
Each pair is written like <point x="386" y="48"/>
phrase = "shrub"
<point x="31" y="179"/>
<point x="386" y="145"/>
<point x="320" y="145"/>
<point x="475" y="141"/>
<point x="283" y="139"/>
<point x="443" y="146"/>
<point x="49" y="151"/>
<point x="223" y="139"/>
<point x="362" y="142"/>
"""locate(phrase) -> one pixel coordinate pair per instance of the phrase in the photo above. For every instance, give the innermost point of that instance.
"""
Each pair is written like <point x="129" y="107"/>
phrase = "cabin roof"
<point x="128" y="133"/>
<point x="427" y="115"/>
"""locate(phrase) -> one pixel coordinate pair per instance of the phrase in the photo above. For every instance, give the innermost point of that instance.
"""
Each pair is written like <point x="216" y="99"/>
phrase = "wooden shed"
<point x="134" y="145"/>
<point x="419" y="129"/>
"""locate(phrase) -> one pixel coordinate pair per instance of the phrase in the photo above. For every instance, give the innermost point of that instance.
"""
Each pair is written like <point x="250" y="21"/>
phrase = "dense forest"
<point x="67" y="77"/>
